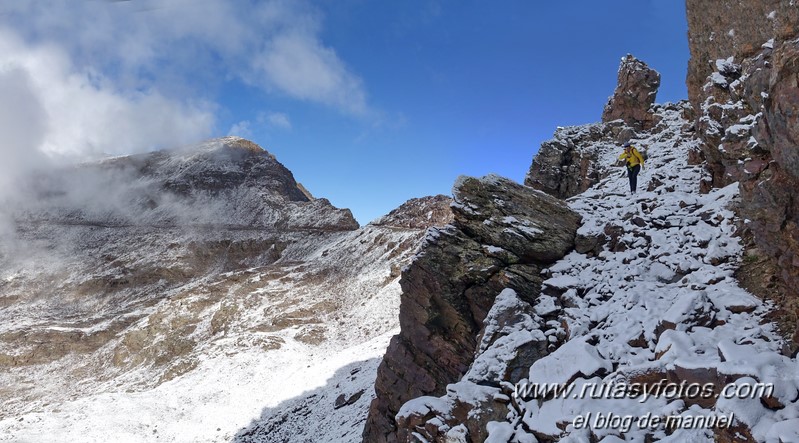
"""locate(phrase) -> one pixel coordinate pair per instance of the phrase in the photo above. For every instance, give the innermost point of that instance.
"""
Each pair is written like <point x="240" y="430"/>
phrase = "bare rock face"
<point x="730" y="28"/>
<point x="635" y="93"/>
<point x="742" y="77"/>
<point x="513" y="338"/>
<point x="501" y="236"/>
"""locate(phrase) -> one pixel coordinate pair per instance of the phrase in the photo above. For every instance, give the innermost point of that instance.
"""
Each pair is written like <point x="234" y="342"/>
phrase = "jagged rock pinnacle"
<point x="635" y="94"/>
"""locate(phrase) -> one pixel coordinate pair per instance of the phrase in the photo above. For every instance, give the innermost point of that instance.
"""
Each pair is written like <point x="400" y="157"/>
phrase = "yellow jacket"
<point x="633" y="158"/>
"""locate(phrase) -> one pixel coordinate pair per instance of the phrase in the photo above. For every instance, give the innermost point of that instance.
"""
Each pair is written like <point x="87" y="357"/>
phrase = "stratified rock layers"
<point x="502" y="235"/>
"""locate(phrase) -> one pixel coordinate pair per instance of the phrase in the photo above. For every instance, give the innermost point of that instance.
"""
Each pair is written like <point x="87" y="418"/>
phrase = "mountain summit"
<point x="222" y="182"/>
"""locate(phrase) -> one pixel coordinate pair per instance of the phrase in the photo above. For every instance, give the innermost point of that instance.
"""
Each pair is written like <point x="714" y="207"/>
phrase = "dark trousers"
<point x="632" y="174"/>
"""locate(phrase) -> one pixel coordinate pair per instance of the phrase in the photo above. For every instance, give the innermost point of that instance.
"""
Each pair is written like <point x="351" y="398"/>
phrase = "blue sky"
<point x="369" y="103"/>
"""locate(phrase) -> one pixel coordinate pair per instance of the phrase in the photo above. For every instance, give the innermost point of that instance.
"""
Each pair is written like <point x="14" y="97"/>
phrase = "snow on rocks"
<point x="576" y="358"/>
<point x="461" y="410"/>
<point x="512" y="336"/>
<point x="461" y="325"/>
<point x="656" y="326"/>
<point x="510" y="215"/>
<point x="659" y="306"/>
<point x="690" y="310"/>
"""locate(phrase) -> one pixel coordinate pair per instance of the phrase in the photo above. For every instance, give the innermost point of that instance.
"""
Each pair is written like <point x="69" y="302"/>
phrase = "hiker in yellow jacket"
<point x="634" y="161"/>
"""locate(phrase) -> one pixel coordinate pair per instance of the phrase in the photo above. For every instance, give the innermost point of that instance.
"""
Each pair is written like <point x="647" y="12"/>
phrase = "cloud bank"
<point x="91" y="77"/>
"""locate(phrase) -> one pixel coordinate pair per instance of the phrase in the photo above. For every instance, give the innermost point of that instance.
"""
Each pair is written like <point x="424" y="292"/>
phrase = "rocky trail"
<point x="648" y="299"/>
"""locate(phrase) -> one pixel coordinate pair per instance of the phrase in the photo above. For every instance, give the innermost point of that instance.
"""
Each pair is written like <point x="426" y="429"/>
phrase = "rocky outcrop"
<point x="569" y="163"/>
<point x="635" y="93"/>
<point x="561" y="168"/>
<point x="566" y="165"/>
<point x="501" y="236"/>
<point x="419" y="213"/>
<point x="742" y="77"/>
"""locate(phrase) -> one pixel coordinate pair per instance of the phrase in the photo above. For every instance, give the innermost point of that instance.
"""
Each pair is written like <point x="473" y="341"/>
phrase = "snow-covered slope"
<point x="650" y="299"/>
<point x="202" y="296"/>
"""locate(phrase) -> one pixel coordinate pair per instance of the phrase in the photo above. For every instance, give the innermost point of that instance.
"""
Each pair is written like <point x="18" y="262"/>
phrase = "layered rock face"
<point x="562" y="167"/>
<point x="742" y="77"/>
<point x="501" y="237"/>
<point x="635" y="93"/>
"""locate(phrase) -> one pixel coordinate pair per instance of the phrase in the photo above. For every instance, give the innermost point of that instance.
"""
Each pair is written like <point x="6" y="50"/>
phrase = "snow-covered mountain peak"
<point x="222" y="182"/>
<point x="230" y="148"/>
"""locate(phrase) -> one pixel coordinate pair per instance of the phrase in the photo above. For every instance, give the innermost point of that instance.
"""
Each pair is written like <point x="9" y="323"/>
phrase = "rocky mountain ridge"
<point x="670" y="256"/>
<point x="648" y="297"/>
<point x="189" y="186"/>
<point x="564" y="166"/>
<point x="651" y="294"/>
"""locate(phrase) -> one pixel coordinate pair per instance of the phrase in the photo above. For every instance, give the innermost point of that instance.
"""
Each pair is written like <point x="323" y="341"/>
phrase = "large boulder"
<point x="495" y="211"/>
<point x="502" y="235"/>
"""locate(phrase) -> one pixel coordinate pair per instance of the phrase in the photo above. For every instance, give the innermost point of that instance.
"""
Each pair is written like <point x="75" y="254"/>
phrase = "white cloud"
<point x="275" y="120"/>
<point x="23" y="123"/>
<point x="300" y="66"/>
<point x="241" y="129"/>
<point x="271" y="120"/>
<point x="50" y="107"/>
<point x="82" y="78"/>
<point x="183" y="45"/>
